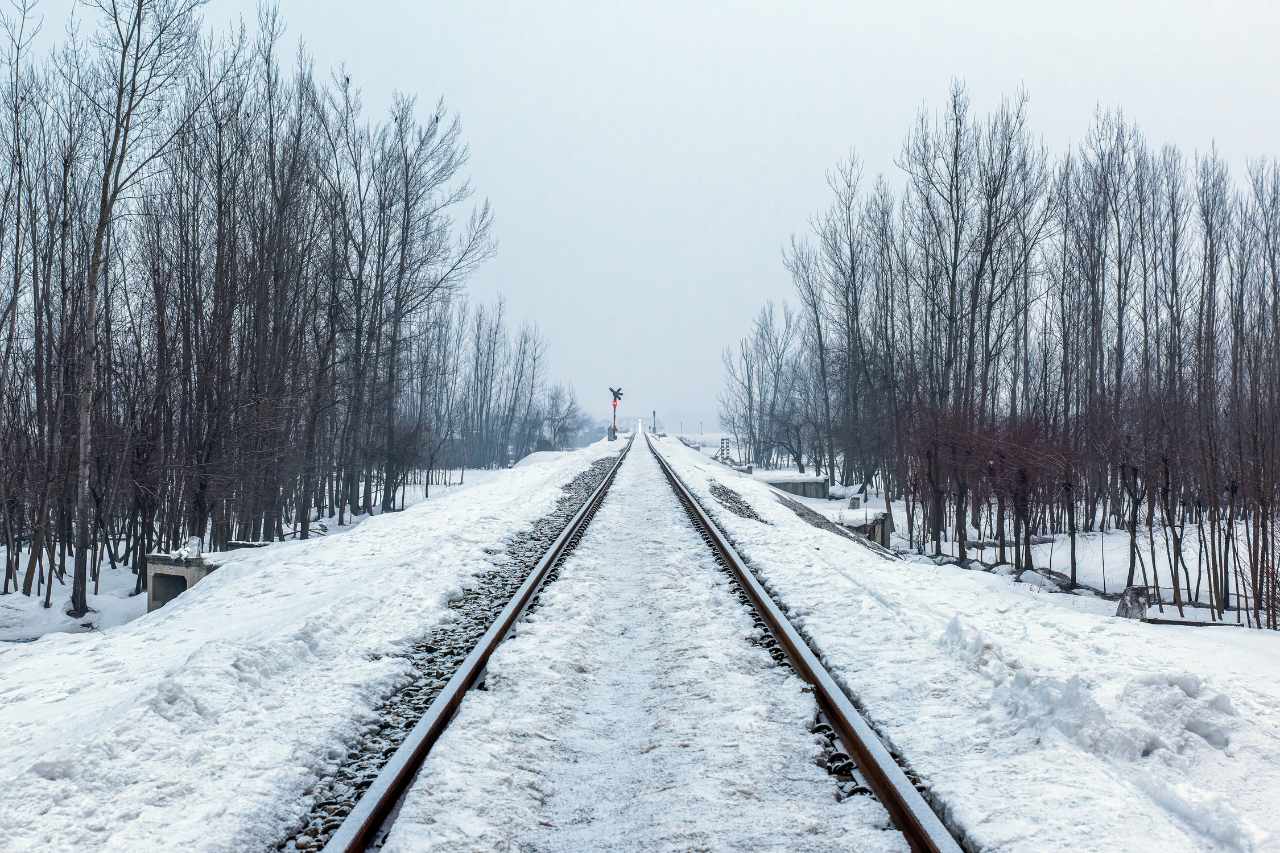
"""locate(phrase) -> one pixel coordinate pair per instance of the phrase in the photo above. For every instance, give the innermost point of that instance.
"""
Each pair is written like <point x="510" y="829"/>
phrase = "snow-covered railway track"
<point x="638" y="710"/>
<point x="354" y="808"/>
<point x="865" y="757"/>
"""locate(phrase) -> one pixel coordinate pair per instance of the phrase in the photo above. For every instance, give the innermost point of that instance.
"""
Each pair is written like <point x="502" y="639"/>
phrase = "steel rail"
<point x="366" y="824"/>
<point x="922" y="828"/>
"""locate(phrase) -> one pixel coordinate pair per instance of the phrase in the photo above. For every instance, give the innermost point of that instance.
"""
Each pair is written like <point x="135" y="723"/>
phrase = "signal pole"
<point x="613" y="430"/>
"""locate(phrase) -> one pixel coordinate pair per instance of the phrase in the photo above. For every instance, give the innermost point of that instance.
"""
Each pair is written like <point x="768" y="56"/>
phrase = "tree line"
<point x="1013" y="342"/>
<point x="232" y="302"/>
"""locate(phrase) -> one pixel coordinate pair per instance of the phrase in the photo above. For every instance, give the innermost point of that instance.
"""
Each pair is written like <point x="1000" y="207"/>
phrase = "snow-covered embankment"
<point x="1040" y="726"/>
<point x="200" y="726"/>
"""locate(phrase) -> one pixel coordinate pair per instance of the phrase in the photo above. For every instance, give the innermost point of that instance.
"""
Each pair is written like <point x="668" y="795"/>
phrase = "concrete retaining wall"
<point x="803" y="488"/>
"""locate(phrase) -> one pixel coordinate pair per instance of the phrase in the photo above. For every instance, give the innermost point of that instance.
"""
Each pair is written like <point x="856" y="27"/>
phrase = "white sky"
<point x="646" y="161"/>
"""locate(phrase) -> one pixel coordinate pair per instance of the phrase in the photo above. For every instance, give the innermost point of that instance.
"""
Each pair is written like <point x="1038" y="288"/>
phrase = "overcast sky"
<point x="646" y="161"/>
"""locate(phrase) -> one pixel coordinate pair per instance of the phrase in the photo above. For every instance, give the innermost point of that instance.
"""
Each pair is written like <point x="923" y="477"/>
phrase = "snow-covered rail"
<point x="373" y="814"/>
<point x="912" y="815"/>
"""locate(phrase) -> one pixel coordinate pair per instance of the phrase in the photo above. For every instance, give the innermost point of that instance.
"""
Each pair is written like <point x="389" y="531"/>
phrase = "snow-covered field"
<point x="201" y="725"/>
<point x="1040" y="723"/>
<point x="24" y="618"/>
<point x="631" y="713"/>
<point x="1102" y="558"/>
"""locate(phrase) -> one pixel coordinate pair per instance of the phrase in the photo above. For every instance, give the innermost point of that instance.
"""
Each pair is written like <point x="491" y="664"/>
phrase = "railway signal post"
<point x="617" y="396"/>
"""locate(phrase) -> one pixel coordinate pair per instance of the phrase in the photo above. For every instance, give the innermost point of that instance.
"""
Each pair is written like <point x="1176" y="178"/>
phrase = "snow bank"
<point x="25" y="617"/>
<point x="1041" y="723"/>
<point x="200" y="726"/>
<point x="539" y="456"/>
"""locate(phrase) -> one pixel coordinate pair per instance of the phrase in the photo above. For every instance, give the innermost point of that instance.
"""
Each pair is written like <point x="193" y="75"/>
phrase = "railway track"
<point x="365" y="824"/>
<point x="855" y="752"/>
<point x="871" y="761"/>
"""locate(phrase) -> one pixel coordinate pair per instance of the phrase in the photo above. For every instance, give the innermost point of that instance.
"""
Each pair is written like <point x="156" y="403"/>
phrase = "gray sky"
<point x="646" y="161"/>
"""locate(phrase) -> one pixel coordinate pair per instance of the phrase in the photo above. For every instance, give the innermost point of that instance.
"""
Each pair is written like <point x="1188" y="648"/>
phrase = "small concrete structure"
<point x="168" y="577"/>
<point x="877" y="528"/>
<point x="815" y="488"/>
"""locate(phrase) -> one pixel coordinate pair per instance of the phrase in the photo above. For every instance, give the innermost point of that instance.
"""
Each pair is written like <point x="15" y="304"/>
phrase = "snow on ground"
<point x="459" y="479"/>
<point x="783" y="475"/>
<point x="709" y="441"/>
<point x="631" y="713"/>
<point x="538" y="456"/>
<point x="200" y="726"/>
<point x="1102" y="559"/>
<point x="24" y="618"/>
<point x="1041" y="727"/>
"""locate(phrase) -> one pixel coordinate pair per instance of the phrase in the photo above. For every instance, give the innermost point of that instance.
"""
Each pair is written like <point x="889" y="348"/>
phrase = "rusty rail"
<point x="922" y="828"/>
<point x="368" y="822"/>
